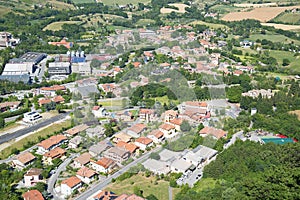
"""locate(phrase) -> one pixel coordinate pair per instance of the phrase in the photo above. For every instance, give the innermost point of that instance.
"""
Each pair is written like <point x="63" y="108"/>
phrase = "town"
<point x="147" y="112"/>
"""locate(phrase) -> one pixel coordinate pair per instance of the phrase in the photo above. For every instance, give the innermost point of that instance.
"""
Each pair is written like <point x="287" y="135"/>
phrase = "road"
<point x="107" y="181"/>
<point x="238" y="135"/>
<point x="170" y="193"/>
<point x="52" y="180"/>
<point x="8" y="137"/>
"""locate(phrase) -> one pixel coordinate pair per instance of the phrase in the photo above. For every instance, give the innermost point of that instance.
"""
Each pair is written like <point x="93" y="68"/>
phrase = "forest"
<point x="249" y="170"/>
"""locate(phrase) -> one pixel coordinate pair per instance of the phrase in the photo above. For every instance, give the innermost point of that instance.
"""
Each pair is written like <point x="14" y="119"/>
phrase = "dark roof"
<point x="25" y="78"/>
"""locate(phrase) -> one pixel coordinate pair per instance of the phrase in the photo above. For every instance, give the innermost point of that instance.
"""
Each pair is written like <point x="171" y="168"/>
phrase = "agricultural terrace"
<point x="261" y="14"/>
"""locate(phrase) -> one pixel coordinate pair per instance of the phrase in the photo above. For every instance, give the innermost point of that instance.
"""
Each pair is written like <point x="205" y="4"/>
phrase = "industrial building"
<point x="59" y="68"/>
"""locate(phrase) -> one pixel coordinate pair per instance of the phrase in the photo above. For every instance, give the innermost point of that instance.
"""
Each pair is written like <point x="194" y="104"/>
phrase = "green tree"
<point x="2" y="122"/>
<point x="185" y="126"/>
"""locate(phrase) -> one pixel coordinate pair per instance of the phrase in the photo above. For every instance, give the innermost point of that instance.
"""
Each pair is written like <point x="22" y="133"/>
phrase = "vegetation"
<point x="247" y="170"/>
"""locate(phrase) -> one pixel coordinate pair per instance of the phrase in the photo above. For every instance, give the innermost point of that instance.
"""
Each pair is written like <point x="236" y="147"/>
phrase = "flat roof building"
<point x="59" y="68"/>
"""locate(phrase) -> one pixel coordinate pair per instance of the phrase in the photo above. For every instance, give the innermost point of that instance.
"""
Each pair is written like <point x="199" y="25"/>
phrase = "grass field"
<point x="224" y="9"/>
<point x="289" y="18"/>
<point x="261" y="14"/>
<point x="273" y="38"/>
<point x="165" y="99"/>
<point x="83" y="1"/>
<point x="108" y="103"/>
<point x="211" y="25"/>
<point x="56" y="26"/>
<point x="205" y="184"/>
<point x="283" y="26"/>
<point x="280" y="55"/>
<point x="145" y="22"/>
<point x="124" y="2"/>
<point x="160" y="190"/>
<point x="33" y="138"/>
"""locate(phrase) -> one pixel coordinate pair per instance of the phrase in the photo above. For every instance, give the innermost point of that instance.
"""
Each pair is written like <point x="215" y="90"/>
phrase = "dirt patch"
<point x="261" y="14"/>
<point x="282" y="26"/>
<point x="296" y="112"/>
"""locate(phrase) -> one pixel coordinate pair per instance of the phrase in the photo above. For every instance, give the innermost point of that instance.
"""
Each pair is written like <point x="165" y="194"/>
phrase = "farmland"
<point x="273" y="37"/>
<point x="83" y="1"/>
<point x="181" y="8"/>
<point x="123" y="2"/>
<point x="56" y="26"/>
<point x="261" y="14"/>
<point x="283" y="26"/>
<point x="288" y="18"/>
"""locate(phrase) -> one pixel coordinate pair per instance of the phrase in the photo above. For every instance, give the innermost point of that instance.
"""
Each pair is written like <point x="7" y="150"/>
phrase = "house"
<point x="255" y="93"/>
<point x="132" y="148"/>
<point x="180" y="166"/>
<point x="124" y="116"/>
<point x="68" y="186"/>
<point x="44" y="101"/>
<point x="147" y="115"/>
<point x="82" y="160"/>
<point x="105" y="195"/>
<point x="157" y="136"/>
<point x="122" y="137"/>
<point x="97" y="149"/>
<point x="117" y="154"/>
<point x="33" y="195"/>
<point x="9" y="106"/>
<point x="207" y="154"/>
<point x="136" y="130"/>
<point x="51" y="91"/>
<point x="168" y="130"/>
<point x="58" y="99"/>
<point x="23" y="160"/>
<point x="176" y="123"/>
<point x="74" y="142"/>
<point x="53" y="154"/>
<point x="97" y="131"/>
<point x="86" y="175"/>
<point x="143" y="143"/>
<point x="83" y="68"/>
<point x="136" y="64"/>
<point x="31" y="117"/>
<point x="32" y="177"/>
<point x="63" y="42"/>
<point x="75" y="130"/>
<point x="216" y="133"/>
<point x="99" y="111"/>
<point x="170" y="115"/>
<point x="50" y="143"/>
<point x="104" y="165"/>
<point x="157" y="166"/>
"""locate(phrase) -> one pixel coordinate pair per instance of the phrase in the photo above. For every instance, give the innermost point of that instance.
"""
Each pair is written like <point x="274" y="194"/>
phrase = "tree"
<point x="137" y="191"/>
<point x="185" y="126"/>
<point x="285" y="62"/>
<point x="155" y="156"/>
<point x="2" y="122"/>
<point x="151" y="197"/>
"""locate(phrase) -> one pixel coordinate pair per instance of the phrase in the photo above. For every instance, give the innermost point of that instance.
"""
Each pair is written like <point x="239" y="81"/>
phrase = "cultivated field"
<point x="288" y="18"/>
<point x="251" y="5"/>
<point x="181" y="8"/>
<point x="123" y="2"/>
<point x="262" y="14"/>
<point x="56" y="26"/>
<point x="282" y="26"/>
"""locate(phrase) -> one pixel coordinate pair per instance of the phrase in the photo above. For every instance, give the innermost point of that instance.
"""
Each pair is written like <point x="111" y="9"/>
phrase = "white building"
<point x="69" y="185"/>
<point x="32" y="117"/>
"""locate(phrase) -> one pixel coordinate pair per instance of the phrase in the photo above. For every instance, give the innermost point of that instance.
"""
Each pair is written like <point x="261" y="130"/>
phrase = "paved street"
<point x="8" y="137"/>
<point x="53" y="178"/>
<point x="107" y="181"/>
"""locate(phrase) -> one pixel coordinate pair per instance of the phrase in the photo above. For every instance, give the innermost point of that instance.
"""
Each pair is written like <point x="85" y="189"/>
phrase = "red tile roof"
<point x="53" y="140"/>
<point x="127" y="146"/>
<point x="77" y="129"/>
<point x="157" y="133"/>
<point x="105" y="195"/>
<point x="58" y="99"/>
<point x="86" y="172"/>
<point x="147" y="111"/>
<point x="55" y="153"/>
<point x="33" y="195"/>
<point x="54" y="88"/>
<point x="144" y="140"/>
<point x="105" y="162"/>
<point x="83" y="159"/>
<point x="176" y="121"/>
<point x="137" y="128"/>
<point x="72" y="181"/>
<point x="167" y="127"/>
<point x="44" y="101"/>
<point x="25" y="157"/>
<point x="218" y="133"/>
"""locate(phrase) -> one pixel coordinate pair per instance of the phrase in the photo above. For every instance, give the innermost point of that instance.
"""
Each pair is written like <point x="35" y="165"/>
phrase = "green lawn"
<point x="295" y="60"/>
<point x="108" y="102"/>
<point x="124" y="2"/>
<point x="205" y="184"/>
<point x="165" y="99"/>
<point x="145" y="22"/>
<point x="289" y="18"/>
<point x="148" y="185"/>
<point x="211" y="25"/>
<point x="33" y="138"/>
<point x="273" y="38"/>
<point x="83" y="1"/>
<point x="56" y="26"/>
